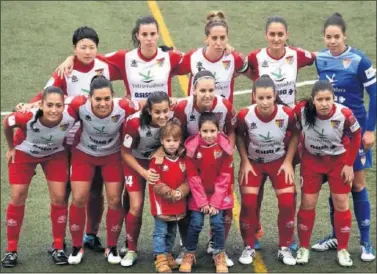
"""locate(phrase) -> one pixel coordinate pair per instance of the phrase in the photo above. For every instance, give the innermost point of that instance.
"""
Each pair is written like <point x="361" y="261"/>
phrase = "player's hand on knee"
<point x="347" y="174"/>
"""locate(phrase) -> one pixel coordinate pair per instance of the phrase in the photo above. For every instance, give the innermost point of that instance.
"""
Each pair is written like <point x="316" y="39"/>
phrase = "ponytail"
<point x="310" y="113"/>
<point x="37" y="116"/>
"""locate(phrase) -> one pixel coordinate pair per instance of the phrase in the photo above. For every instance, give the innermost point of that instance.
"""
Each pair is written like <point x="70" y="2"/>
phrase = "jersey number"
<point x="129" y="181"/>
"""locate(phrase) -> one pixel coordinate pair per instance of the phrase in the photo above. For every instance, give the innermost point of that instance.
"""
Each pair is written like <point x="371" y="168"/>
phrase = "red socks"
<point x="286" y="217"/>
<point x="77" y="219"/>
<point x="114" y="220"/>
<point x="133" y="225"/>
<point x="342" y="223"/>
<point x="305" y="223"/>
<point x="58" y="215"/>
<point x="14" y="217"/>
<point x="248" y="218"/>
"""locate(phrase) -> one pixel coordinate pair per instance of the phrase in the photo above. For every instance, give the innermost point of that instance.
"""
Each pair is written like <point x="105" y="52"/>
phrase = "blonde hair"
<point x="215" y="18"/>
<point x="172" y="128"/>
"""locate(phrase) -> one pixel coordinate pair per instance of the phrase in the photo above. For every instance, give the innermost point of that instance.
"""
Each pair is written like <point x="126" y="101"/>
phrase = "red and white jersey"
<point x="143" y="76"/>
<point x="326" y="137"/>
<point x="282" y="71"/>
<point x="101" y="136"/>
<point x="223" y="69"/>
<point x="173" y="174"/>
<point x="265" y="135"/>
<point x="141" y="140"/>
<point x="40" y="141"/>
<point x="78" y="83"/>
<point x="188" y="114"/>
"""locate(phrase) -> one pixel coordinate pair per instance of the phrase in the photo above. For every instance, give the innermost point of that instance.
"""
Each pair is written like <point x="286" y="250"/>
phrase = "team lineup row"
<point x="266" y="132"/>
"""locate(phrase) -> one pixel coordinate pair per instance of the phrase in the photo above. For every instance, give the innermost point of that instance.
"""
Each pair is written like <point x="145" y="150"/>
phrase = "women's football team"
<point x="183" y="149"/>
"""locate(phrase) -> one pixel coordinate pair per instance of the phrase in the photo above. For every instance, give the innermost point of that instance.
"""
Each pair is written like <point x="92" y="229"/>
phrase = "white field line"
<point x="300" y="84"/>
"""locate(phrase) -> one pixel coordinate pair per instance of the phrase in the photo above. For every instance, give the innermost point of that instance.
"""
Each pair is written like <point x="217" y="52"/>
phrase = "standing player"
<point x="98" y="146"/>
<point x="282" y="63"/>
<point x="350" y="72"/>
<point x="85" y="66"/>
<point x="261" y="131"/>
<point x="43" y="133"/>
<point x="213" y="59"/>
<point x="324" y="126"/>
<point x="141" y="137"/>
<point x="188" y="111"/>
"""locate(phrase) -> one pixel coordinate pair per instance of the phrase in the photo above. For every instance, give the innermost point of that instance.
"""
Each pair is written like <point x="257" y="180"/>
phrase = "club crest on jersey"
<point x="253" y="125"/>
<point x="363" y="159"/>
<point x="289" y="60"/>
<point x="335" y="123"/>
<point x="346" y="63"/>
<point x="217" y="154"/>
<point x="199" y="155"/>
<point x="99" y="71"/>
<point x="165" y="168"/>
<point x="115" y="118"/>
<point x="182" y="166"/>
<point x="160" y="62"/>
<point x="264" y="64"/>
<point x="64" y="127"/>
<point x="134" y="63"/>
<point x="279" y="122"/>
<point x="226" y="64"/>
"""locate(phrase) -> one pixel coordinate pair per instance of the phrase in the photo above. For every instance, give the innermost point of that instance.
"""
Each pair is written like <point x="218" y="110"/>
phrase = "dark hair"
<point x="39" y="113"/>
<point x="208" y="117"/>
<point x="153" y="98"/>
<point x="266" y="82"/>
<point x="202" y="74"/>
<point x="335" y="20"/>
<point x="310" y="110"/>
<point x="98" y="82"/>
<point x="215" y="18"/>
<point x="143" y="20"/>
<point x="172" y="128"/>
<point x="281" y="20"/>
<point x="85" y="33"/>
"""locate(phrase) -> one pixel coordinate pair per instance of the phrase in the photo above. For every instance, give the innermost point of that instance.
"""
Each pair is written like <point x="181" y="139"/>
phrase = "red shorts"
<point x="84" y="165"/>
<point x="133" y="180"/>
<point x="55" y="167"/>
<point x="314" y="168"/>
<point x="267" y="169"/>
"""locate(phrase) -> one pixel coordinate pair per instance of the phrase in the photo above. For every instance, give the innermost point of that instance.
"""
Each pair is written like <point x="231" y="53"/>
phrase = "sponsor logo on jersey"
<point x="74" y="79"/>
<point x="199" y="66"/>
<point x="253" y="125"/>
<point x="146" y="77"/>
<point x="85" y="90"/>
<point x="93" y="147"/>
<point x="347" y="62"/>
<point x="99" y="130"/>
<point x="279" y="123"/>
<point x="115" y="118"/>
<point x="331" y="79"/>
<point x="335" y="123"/>
<point x="264" y="64"/>
<point x="267" y="138"/>
<point x="160" y="62"/>
<point x="321" y="134"/>
<point x="47" y="139"/>
<point x="165" y="168"/>
<point x="192" y="117"/>
<point x="278" y="75"/>
<point x="134" y="63"/>
<point x="226" y="64"/>
<point x="182" y="166"/>
<point x="289" y="60"/>
<point x="64" y="127"/>
<point x="99" y="71"/>
<point x="149" y="133"/>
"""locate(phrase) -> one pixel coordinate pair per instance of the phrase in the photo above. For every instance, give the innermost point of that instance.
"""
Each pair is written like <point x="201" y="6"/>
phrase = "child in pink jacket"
<point x="209" y="168"/>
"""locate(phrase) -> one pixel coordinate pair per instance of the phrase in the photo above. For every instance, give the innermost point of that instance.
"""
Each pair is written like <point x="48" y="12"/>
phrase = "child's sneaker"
<point x="161" y="263"/>
<point x="220" y="263"/>
<point x="171" y="262"/>
<point x="187" y="262"/>
<point x="179" y="258"/>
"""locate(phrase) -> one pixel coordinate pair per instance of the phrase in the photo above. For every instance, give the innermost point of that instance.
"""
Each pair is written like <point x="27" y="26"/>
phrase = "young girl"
<point x="209" y="172"/>
<point x="167" y="195"/>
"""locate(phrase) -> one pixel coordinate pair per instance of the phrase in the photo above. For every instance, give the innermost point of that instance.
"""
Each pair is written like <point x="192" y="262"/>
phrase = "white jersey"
<point x="282" y="71"/>
<point x="265" y="136"/>
<point x="223" y="70"/>
<point x="41" y="141"/>
<point x="188" y="114"/>
<point x="143" y="141"/>
<point x="325" y="138"/>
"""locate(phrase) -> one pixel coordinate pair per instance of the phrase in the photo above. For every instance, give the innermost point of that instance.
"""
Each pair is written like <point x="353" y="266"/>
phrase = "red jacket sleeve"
<point x="222" y="182"/>
<point x="195" y="183"/>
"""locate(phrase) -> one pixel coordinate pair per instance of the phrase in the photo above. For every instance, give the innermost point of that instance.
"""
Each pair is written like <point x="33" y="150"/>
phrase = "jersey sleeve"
<point x="241" y="126"/>
<point x="253" y="64"/>
<point x="130" y="106"/>
<point x="184" y="66"/>
<point x="18" y="119"/>
<point x="240" y="62"/>
<point x="292" y="119"/>
<point x="350" y="120"/>
<point x="116" y="59"/>
<point x="304" y="57"/>
<point x="191" y="168"/>
<point x="179" y="112"/>
<point x="76" y="103"/>
<point x="175" y="58"/>
<point x="230" y="119"/>
<point x="53" y="81"/>
<point x="131" y="135"/>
